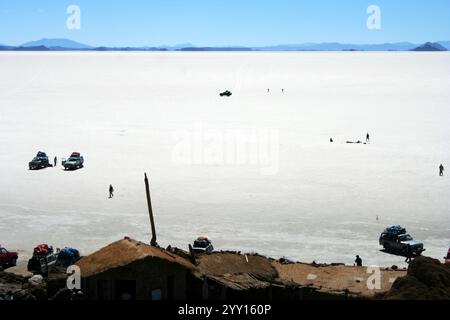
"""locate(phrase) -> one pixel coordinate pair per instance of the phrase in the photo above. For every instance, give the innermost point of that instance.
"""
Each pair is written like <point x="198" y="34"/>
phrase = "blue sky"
<point x="224" y="22"/>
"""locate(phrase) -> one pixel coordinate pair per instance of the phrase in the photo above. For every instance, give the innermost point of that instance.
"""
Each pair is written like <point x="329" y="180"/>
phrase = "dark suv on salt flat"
<point x="39" y="162"/>
<point x="202" y="245"/>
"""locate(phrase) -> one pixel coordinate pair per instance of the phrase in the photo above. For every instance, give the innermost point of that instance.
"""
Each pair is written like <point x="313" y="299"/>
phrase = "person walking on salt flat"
<point x="367" y="137"/>
<point x="441" y="170"/>
<point x="111" y="191"/>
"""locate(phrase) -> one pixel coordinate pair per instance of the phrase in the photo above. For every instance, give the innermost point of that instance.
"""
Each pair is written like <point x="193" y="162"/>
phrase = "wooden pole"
<point x="150" y="212"/>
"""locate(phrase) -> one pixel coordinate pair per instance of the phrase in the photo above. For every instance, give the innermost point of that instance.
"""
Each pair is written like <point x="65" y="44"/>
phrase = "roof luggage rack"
<point x="397" y="230"/>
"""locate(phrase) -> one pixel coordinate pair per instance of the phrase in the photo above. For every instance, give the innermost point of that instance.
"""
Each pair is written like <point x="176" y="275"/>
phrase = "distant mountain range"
<point x="335" y="46"/>
<point x="70" y="45"/>
<point x="56" y="44"/>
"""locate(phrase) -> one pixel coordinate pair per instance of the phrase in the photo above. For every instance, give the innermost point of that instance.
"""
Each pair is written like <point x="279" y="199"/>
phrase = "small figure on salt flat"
<point x="367" y="138"/>
<point x="441" y="170"/>
<point x="111" y="191"/>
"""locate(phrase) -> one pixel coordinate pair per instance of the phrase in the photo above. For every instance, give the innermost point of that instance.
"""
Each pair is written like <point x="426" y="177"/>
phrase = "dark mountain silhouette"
<point x="429" y="46"/>
<point x="36" y="48"/>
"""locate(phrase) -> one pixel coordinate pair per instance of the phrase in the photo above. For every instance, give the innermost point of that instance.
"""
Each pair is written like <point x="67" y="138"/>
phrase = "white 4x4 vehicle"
<point x="74" y="162"/>
<point x="202" y="245"/>
<point x="396" y="239"/>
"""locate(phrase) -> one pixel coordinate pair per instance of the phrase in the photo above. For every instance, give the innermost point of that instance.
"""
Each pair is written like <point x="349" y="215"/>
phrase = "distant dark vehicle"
<point x="75" y="161"/>
<point x="39" y="162"/>
<point x="7" y="259"/>
<point x="226" y="94"/>
<point x="396" y="239"/>
<point x="202" y="245"/>
<point x="43" y="259"/>
<point x="67" y="257"/>
<point x="447" y="259"/>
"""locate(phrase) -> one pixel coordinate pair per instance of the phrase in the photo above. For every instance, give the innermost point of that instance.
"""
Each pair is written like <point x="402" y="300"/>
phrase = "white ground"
<point x="133" y="112"/>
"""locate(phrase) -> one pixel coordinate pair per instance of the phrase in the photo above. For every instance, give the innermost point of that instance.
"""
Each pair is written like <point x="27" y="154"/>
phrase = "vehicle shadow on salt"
<point x="40" y="168"/>
<point x="400" y="253"/>
<point x="72" y="169"/>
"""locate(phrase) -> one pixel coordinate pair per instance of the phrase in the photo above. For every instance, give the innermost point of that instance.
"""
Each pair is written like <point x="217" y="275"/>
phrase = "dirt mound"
<point x="6" y="277"/>
<point x="337" y="278"/>
<point x="232" y="263"/>
<point x="122" y="253"/>
<point x="427" y="279"/>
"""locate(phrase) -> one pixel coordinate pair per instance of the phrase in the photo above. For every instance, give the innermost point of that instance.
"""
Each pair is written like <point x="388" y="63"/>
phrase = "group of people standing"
<point x="268" y="90"/>
<point x="441" y="167"/>
<point x="359" y="141"/>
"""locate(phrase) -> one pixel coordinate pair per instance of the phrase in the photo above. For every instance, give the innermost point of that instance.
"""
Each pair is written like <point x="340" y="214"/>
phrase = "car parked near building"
<point x="7" y="258"/>
<point x="67" y="257"/>
<point x="43" y="259"/>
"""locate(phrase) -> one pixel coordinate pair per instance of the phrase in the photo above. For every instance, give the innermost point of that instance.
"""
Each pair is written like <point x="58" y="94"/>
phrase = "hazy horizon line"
<point x="188" y="44"/>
